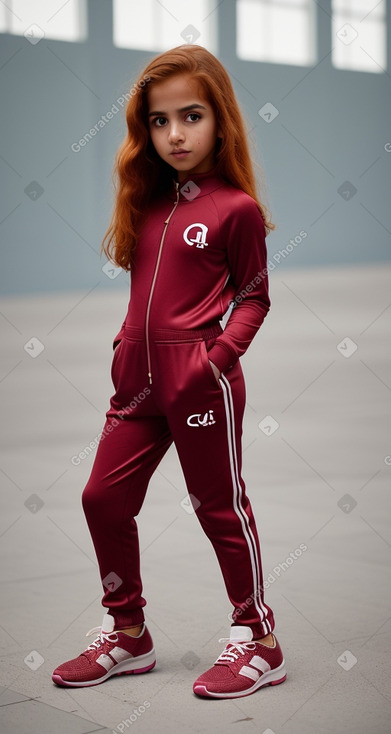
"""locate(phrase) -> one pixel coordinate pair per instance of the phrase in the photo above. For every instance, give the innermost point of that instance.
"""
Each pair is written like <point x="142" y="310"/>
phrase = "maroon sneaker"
<point x="112" y="653"/>
<point x="243" y="667"/>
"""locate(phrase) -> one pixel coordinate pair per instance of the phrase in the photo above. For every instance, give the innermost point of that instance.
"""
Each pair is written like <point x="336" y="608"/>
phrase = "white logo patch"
<point x="199" y="238"/>
<point x="198" y="419"/>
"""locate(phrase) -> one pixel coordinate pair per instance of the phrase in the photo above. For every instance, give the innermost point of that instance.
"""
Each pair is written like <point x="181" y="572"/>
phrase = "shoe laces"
<point x="102" y="637"/>
<point x="233" y="650"/>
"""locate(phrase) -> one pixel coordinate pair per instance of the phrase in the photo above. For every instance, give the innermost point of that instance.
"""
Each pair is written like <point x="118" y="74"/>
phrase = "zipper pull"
<point x="150" y="378"/>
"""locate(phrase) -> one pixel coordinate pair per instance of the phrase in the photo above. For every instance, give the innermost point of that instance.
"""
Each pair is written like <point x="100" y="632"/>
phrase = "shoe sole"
<point x="127" y="667"/>
<point x="271" y="678"/>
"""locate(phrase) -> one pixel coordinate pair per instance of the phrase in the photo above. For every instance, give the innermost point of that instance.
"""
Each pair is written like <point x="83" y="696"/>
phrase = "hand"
<point x="216" y="371"/>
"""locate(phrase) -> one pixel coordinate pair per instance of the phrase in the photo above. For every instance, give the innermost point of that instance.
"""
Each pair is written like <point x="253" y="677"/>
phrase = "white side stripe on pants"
<point x="237" y="496"/>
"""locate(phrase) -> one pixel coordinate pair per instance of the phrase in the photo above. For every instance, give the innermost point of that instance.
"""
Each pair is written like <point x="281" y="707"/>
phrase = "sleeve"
<point x="118" y="336"/>
<point x="245" y="236"/>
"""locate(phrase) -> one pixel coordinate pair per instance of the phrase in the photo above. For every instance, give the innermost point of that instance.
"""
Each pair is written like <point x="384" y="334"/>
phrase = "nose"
<point x="176" y="133"/>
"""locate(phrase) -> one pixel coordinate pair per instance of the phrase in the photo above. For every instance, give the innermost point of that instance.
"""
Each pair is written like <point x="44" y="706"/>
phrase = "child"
<point x="188" y="225"/>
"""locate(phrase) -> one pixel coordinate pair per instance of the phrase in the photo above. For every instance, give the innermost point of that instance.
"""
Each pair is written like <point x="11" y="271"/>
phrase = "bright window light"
<point x="276" y="31"/>
<point x="63" y="20"/>
<point x="359" y="35"/>
<point x="153" y="25"/>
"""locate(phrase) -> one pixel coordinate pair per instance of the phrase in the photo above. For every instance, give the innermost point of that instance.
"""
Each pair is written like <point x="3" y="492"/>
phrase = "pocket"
<point x="207" y="364"/>
<point x="114" y="361"/>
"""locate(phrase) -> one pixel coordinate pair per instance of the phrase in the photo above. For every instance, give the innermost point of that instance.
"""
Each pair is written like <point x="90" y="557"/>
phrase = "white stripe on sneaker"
<point x="258" y="663"/>
<point x="119" y="654"/>
<point x="105" y="661"/>
<point x="249" y="673"/>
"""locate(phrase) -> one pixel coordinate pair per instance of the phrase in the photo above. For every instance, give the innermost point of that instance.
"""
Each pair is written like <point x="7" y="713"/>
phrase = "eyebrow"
<point x="182" y="109"/>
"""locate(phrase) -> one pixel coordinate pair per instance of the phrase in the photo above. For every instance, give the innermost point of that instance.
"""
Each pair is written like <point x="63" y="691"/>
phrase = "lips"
<point x="180" y="150"/>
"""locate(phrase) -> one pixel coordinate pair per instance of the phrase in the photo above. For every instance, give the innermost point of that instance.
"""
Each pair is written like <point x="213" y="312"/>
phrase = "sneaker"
<point x="243" y="667"/>
<point x="112" y="653"/>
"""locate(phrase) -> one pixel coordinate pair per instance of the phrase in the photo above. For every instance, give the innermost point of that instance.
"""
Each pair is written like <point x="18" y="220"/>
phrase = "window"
<point x="359" y="35"/>
<point x="64" y="21"/>
<point x="276" y="31"/>
<point x="152" y="25"/>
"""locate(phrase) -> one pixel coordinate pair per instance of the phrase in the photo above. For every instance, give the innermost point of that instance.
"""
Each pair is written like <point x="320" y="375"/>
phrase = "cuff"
<point x="222" y="357"/>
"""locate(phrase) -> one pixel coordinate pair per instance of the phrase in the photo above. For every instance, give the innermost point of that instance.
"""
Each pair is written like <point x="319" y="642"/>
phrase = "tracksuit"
<point x="201" y="249"/>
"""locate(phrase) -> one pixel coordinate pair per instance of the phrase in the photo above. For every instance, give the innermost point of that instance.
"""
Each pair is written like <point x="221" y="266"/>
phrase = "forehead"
<point x="174" y="92"/>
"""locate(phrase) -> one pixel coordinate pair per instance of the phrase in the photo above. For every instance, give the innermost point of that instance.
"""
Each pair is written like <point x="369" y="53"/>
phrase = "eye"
<point x="157" y="120"/>
<point x="194" y="114"/>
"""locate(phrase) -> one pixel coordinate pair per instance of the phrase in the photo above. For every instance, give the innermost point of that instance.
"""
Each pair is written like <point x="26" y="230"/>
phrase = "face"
<point x="182" y="120"/>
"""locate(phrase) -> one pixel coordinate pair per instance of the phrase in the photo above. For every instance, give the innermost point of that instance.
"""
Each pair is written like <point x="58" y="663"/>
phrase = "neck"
<point x="194" y="176"/>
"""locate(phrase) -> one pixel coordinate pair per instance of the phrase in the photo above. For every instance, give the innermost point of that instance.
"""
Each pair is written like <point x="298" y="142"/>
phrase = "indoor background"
<point x="313" y="82"/>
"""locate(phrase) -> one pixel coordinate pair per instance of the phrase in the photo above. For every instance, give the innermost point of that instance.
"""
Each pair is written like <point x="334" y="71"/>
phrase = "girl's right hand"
<point x="216" y="370"/>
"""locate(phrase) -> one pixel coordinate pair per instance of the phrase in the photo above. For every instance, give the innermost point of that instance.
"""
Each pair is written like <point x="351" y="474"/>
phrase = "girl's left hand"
<point x="216" y="371"/>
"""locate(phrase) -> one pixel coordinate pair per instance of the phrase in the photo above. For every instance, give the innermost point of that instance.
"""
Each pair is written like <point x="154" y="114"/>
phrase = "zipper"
<point x="154" y="281"/>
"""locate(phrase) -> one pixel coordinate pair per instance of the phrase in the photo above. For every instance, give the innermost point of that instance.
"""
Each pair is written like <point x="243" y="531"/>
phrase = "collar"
<point x="206" y="182"/>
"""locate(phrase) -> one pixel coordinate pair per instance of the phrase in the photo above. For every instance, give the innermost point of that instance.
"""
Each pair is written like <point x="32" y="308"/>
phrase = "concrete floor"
<point x="321" y="479"/>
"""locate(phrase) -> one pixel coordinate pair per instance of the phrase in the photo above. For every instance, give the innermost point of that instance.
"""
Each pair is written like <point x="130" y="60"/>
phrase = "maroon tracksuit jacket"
<point x="201" y="248"/>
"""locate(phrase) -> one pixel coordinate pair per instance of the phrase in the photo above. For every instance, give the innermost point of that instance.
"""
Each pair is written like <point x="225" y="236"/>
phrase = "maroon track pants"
<point x="203" y="417"/>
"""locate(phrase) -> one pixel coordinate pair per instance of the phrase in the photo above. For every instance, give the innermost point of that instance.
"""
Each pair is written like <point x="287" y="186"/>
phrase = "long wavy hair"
<point x="139" y="174"/>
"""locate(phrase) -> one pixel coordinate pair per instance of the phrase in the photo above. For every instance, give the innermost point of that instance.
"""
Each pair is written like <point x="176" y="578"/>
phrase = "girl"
<point x="188" y="225"/>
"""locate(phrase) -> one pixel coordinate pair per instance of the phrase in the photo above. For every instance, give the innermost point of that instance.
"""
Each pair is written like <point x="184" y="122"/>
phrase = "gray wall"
<point x="332" y="127"/>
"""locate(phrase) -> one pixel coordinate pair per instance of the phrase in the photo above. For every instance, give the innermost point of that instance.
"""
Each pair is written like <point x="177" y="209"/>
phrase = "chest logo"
<point x="199" y="235"/>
